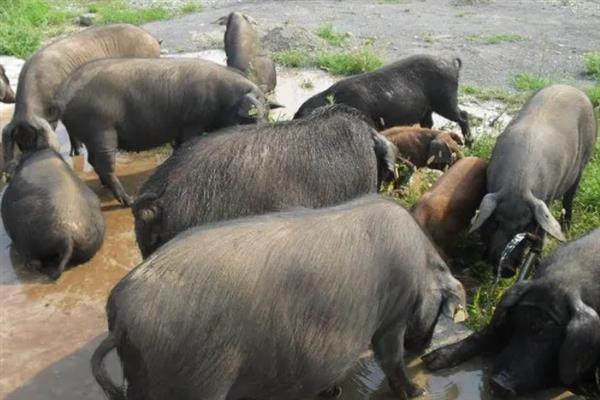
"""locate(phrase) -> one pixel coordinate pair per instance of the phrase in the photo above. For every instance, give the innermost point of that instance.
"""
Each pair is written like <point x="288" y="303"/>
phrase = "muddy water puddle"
<point x="48" y="330"/>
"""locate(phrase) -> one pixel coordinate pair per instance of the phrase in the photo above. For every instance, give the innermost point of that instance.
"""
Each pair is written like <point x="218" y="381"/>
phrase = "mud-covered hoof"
<point x="439" y="359"/>
<point x="126" y="201"/>
<point x="331" y="393"/>
<point x="415" y="391"/>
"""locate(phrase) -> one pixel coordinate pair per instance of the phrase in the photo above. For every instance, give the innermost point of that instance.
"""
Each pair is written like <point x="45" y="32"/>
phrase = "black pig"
<point x="278" y="306"/>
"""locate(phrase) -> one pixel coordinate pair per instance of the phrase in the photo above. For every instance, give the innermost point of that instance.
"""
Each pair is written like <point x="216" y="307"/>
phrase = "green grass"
<point x="482" y="147"/>
<point x="191" y="7"/>
<point x="592" y="64"/>
<point x="327" y="32"/>
<point x="510" y="98"/>
<point x="350" y="63"/>
<point x="118" y="11"/>
<point x="429" y="37"/>
<point x="307" y="84"/>
<point x="528" y="81"/>
<point x="342" y="62"/>
<point x="25" y="23"/>
<point x="594" y="95"/>
<point x="497" y="38"/>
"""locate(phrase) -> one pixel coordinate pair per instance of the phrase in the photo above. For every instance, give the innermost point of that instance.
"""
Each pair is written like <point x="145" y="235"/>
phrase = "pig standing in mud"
<point x="6" y="93"/>
<point x="330" y="157"/>
<point x="278" y="306"/>
<point x="539" y="157"/>
<point x="243" y="51"/>
<point x="424" y="147"/>
<point x="35" y="117"/>
<point x="446" y="210"/>
<point x="139" y="104"/>
<point x="545" y="331"/>
<point x="52" y="217"/>
<point x="402" y="93"/>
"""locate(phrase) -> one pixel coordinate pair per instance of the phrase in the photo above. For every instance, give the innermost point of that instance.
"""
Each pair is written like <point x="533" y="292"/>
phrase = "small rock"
<point x="87" y="19"/>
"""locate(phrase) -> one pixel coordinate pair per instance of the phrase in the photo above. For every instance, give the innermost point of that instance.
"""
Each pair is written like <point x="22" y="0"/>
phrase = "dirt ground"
<point x="557" y="32"/>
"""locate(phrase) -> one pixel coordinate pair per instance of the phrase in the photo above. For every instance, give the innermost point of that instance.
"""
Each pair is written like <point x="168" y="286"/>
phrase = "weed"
<point x="191" y="7"/>
<point x="327" y="32"/>
<point x="497" y="38"/>
<point x="510" y="98"/>
<point x="482" y="147"/>
<point x="294" y="58"/>
<point x="118" y="11"/>
<point x="592" y="64"/>
<point x="307" y="84"/>
<point x="594" y="95"/>
<point x="429" y="37"/>
<point x="349" y="63"/>
<point x="25" y="23"/>
<point x="528" y="81"/>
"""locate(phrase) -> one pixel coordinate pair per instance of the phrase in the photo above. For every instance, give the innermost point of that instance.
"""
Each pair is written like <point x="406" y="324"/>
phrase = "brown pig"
<point x="423" y="147"/>
<point x="447" y="208"/>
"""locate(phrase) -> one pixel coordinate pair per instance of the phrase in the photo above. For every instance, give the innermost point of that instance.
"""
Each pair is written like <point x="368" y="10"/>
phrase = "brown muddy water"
<point x="48" y="330"/>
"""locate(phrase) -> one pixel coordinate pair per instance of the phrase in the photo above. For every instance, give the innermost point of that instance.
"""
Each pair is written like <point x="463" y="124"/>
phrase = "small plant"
<point x="592" y="64"/>
<point x="482" y="147"/>
<point x="327" y="32"/>
<point x="330" y="99"/>
<point x="350" y="63"/>
<point x="528" y="81"/>
<point x="307" y="84"/>
<point x="191" y="7"/>
<point x="510" y="98"/>
<point x="594" y="95"/>
<point x="294" y="58"/>
<point x="497" y="38"/>
<point x="430" y="38"/>
<point x="119" y="11"/>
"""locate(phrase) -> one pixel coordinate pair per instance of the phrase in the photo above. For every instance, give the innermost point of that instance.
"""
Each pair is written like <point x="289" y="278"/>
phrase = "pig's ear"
<point x="544" y="217"/>
<point x="458" y="138"/>
<point x="221" y="21"/>
<point x="510" y="299"/>
<point x="146" y="208"/>
<point x="486" y="208"/>
<point x="581" y="348"/>
<point x="250" y="20"/>
<point x="274" y="104"/>
<point x="438" y="151"/>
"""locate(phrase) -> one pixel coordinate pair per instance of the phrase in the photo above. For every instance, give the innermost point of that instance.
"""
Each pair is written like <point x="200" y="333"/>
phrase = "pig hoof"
<point x="126" y="201"/>
<point x="415" y="391"/>
<point x="439" y="359"/>
<point x="331" y="393"/>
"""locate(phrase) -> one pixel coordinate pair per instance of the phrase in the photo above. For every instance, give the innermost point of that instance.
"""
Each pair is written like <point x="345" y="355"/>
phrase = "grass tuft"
<point x="497" y="38"/>
<point x="594" y="95"/>
<point x="592" y="64"/>
<point x="337" y="62"/>
<point x="350" y="63"/>
<point x="528" y="81"/>
<point x="510" y="98"/>
<point x="191" y="7"/>
<point x="118" y="11"/>
<point x="25" y="23"/>
<point x="327" y="32"/>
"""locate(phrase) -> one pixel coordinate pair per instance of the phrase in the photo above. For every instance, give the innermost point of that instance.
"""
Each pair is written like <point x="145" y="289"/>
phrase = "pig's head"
<point x="551" y="338"/>
<point x="444" y="150"/>
<point x="501" y="217"/>
<point x="442" y="295"/>
<point x="253" y="107"/>
<point x="29" y="134"/>
<point x="6" y="93"/>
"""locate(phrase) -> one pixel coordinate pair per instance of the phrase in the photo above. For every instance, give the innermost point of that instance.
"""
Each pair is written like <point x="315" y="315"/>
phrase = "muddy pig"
<point x="332" y="156"/>
<point x="539" y="157"/>
<point x="446" y="210"/>
<point x="6" y="93"/>
<point x="545" y="331"/>
<point x="402" y="93"/>
<point x="244" y="52"/>
<point x="139" y="104"/>
<point x="35" y="118"/>
<point x="52" y="217"/>
<point x="256" y="308"/>
<point x="424" y="147"/>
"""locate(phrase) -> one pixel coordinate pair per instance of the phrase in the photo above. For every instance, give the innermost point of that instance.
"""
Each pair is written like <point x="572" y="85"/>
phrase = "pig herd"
<point x="270" y="261"/>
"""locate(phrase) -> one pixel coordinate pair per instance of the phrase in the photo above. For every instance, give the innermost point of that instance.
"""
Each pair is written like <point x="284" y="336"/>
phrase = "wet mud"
<point x="48" y="330"/>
